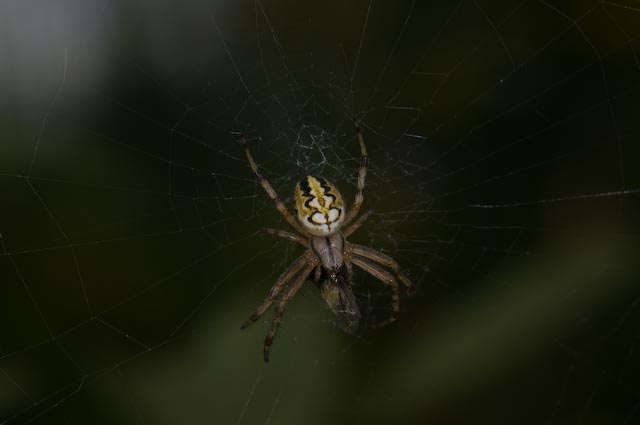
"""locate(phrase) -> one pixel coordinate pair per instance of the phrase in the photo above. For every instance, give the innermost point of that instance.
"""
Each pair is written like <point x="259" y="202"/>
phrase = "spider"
<point x="323" y="225"/>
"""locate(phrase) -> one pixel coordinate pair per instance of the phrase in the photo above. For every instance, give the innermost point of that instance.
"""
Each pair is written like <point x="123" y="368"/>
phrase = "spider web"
<point x="503" y="176"/>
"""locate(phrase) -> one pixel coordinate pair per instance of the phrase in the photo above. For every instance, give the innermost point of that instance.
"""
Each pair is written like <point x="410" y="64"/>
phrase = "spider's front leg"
<point x="282" y="209"/>
<point x="356" y="224"/>
<point x="362" y="175"/>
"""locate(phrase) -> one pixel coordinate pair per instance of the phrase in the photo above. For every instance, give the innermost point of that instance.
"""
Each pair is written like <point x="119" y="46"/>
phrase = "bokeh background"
<point x="504" y="176"/>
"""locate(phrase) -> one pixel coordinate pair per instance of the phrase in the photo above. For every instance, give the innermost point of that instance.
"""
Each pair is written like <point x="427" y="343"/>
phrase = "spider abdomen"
<point x="319" y="206"/>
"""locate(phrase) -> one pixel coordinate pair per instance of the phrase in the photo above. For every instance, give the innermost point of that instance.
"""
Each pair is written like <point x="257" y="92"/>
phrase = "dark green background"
<point x="504" y="175"/>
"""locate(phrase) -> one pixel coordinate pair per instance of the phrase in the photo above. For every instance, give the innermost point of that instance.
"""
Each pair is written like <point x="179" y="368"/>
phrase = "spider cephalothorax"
<point x="319" y="206"/>
<point x="323" y="225"/>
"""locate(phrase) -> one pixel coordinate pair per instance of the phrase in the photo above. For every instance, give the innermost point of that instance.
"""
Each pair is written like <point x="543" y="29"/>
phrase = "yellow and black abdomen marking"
<point x="319" y="205"/>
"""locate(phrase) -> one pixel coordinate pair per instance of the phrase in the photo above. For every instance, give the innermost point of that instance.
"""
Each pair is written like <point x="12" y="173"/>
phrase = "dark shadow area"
<point x="504" y="175"/>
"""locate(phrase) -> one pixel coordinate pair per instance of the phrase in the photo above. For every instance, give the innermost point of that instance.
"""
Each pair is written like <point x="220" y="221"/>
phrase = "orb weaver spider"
<point x="323" y="226"/>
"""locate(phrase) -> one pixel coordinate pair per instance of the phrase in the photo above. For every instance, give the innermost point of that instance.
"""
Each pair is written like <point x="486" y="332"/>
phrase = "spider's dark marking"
<point x="304" y="185"/>
<point x="339" y="213"/>
<point x="325" y="186"/>
<point x="327" y="190"/>
<point x="314" y="218"/>
<point x="308" y="201"/>
<point x="364" y="161"/>
<point x="306" y="191"/>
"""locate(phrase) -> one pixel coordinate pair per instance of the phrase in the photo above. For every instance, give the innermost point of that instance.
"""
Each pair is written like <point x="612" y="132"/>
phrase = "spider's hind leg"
<point x="281" y="282"/>
<point x="388" y="279"/>
<point x="384" y="260"/>
<point x="291" y="291"/>
<point x="317" y="274"/>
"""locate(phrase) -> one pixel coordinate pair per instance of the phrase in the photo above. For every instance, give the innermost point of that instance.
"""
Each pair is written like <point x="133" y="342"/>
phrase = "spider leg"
<point x="291" y="291"/>
<point x="356" y="224"/>
<point x="349" y="266"/>
<point x="317" y="274"/>
<point x="385" y="260"/>
<point x="388" y="279"/>
<point x="270" y="191"/>
<point x="362" y="174"/>
<point x="284" y="234"/>
<point x="282" y="280"/>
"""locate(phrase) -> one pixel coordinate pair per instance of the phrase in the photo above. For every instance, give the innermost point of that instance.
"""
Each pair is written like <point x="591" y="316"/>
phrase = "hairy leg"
<point x="317" y="274"/>
<point x="362" y="175"/>
<point x="385" y="260"/>
<point x="284" y="234"/>
<point x="281" y="282"/>
<point x="291" y="291"/>
<point x="270" y="191"/>
<point x="385" y="277"/>
<point x="356" y="224"/>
